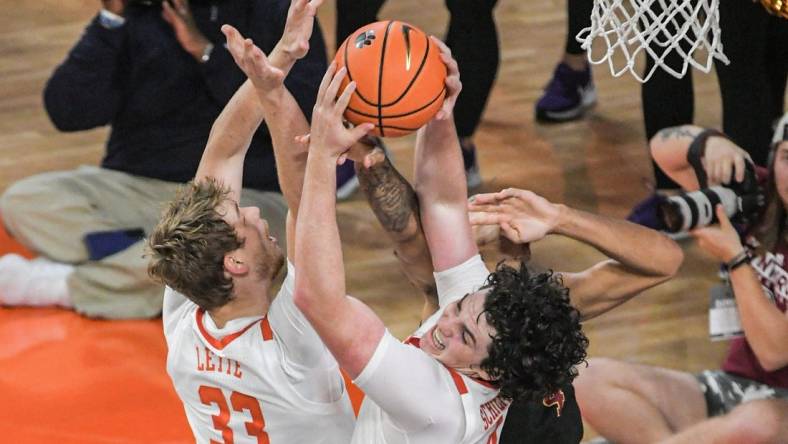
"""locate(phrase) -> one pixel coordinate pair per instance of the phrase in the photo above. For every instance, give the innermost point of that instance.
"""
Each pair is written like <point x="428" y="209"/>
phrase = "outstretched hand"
<point x="522" y="215"/>
<point x="298" y="28"/>
<point x="721" y="241"/>
<point x="453" y="84"/>
<point x="252" y="61"/>
<point x="328" y="133"/>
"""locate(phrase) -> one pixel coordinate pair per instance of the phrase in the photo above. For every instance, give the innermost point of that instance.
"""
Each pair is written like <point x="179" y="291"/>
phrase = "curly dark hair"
<point x="538" y="340"/>
<point x="188" y="245"/>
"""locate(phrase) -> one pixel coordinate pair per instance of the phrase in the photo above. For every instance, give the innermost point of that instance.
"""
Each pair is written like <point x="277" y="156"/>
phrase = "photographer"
<point x="157" y="72"/>
<point x="747" y="400"/>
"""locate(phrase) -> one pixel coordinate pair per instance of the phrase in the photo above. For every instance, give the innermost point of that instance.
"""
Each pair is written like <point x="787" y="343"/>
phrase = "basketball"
<point x="399" y="77"/>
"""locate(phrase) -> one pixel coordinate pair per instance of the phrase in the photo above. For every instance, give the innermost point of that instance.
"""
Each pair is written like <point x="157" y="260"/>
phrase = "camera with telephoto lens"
<point x="742" y="202"/>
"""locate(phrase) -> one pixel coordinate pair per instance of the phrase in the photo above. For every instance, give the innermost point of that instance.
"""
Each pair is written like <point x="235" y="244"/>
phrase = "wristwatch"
<point x="206" y="52"/>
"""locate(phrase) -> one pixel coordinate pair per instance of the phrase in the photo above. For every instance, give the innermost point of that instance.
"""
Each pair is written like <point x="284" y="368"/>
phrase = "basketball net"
<point x="689" y="28"/>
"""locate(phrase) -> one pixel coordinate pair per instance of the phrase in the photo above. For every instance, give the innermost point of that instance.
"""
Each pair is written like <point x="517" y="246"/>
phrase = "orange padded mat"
<point x="67" y="379"/>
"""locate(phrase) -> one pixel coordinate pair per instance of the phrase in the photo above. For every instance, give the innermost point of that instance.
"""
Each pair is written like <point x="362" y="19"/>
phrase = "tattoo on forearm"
<point x="675" y="132"/>
<point x="391" y="197"/>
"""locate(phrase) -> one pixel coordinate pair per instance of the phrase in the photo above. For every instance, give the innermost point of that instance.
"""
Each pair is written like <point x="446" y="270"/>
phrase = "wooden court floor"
<point x="68" y="379"/>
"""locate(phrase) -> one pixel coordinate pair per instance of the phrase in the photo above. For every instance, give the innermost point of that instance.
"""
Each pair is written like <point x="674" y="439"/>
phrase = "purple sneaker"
<point x="568" y="95"/>
<point x="645" y="214"/>
<point x="347" y="182"/>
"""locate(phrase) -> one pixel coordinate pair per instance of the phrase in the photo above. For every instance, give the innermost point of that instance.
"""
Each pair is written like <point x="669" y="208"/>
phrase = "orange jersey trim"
<point x="220" y="344"/>
<point x="458" y="381"/>
<point x="265" y="328"/>
<point x="355" y="394"/>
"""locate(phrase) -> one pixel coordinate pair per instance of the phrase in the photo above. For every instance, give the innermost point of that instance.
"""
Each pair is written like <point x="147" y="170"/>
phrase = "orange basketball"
<point x="399" y="77"/>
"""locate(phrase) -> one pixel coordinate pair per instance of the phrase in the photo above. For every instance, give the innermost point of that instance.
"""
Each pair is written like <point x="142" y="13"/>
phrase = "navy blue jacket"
<point x="161" y="102"/>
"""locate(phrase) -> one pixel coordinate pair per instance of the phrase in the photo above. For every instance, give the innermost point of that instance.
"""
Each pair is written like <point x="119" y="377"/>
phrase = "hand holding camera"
<point x="727" y="178"/>
<point x="179" y="15"/>
<point x="723" y="161"/>
<point x="721" y="241"/>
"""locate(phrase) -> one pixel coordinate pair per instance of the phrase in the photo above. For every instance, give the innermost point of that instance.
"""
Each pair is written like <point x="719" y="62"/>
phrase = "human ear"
<point x="234" y="265"/>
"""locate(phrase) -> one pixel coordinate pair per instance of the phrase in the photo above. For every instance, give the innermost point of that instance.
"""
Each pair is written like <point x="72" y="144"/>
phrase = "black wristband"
<point x="697" y="150"/>
<point x="744" y="257"/>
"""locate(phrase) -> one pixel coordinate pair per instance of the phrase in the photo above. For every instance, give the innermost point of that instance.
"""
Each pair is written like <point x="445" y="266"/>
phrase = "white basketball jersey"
<point x="485" y="411"/>
<point x="414" y="399"/>
<point x="239" y="388"/>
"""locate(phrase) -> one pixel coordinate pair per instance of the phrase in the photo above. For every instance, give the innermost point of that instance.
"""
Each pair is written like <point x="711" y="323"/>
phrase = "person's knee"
<point x="16" y="202"/>
<point x="597" y="370"/>
<point x="595" y="379"/>
<point x="756" y="422"/>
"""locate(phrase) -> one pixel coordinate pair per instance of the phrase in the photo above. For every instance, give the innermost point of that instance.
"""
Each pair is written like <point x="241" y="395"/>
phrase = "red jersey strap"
<point x="265" y="328"/>
<point x="217" y="343"/>
<point x="458" y="381"/>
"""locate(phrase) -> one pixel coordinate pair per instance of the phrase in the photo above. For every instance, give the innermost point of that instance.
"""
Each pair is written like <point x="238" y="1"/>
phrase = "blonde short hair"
<point x="188" y="245"/>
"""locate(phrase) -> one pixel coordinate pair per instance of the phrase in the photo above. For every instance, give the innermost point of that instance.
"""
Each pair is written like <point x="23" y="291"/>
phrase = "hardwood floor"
<point x="597" y="164"/>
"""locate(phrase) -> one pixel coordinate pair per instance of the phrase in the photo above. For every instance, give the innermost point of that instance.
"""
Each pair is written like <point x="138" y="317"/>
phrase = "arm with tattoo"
<point x="722" y="159"/>
<point x="688" y="132"/>
<point x="396" y="206"/>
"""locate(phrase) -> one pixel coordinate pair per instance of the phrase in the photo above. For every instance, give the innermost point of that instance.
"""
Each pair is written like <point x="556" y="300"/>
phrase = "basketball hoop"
<point x="689" y="28"/>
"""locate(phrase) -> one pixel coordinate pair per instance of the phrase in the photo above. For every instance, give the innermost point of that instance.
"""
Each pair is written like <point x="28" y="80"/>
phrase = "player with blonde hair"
<point x="248" y="367"/>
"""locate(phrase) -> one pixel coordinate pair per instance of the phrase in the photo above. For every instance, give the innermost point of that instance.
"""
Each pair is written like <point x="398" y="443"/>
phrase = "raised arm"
<point x="440" y="180"/>
<point x="350" y="330"/>
<point x="526" y="217"/>
<point x="232" y="132"/>
<point x="396" y="207"/>
<point x="280" y="109"/>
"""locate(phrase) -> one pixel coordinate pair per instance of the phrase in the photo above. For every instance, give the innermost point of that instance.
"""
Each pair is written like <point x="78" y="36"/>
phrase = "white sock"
<point x="37" y="283"/>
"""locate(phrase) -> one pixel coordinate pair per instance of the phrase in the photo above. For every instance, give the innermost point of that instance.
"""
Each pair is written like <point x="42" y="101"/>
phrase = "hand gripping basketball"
<point x="328" y="134"/>
<point x="400" y="77"/>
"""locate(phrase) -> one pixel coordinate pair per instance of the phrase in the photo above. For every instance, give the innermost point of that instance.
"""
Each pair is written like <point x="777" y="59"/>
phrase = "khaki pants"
<point x="50" y="214"/>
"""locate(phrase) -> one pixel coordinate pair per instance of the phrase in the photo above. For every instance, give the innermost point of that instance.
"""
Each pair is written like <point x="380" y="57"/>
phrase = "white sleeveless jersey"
<point x="244" y="387"/>
<point x="412" y="398"/>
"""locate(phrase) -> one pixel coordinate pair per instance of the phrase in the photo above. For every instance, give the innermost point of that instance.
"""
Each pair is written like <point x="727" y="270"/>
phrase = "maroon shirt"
<point x="771" y="269"/>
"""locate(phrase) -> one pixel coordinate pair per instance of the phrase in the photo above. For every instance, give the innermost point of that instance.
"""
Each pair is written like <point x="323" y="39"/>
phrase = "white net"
<point x="690" y="28"/>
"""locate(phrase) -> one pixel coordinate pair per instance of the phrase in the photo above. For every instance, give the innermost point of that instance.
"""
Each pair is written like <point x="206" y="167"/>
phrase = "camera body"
<point x="742" y="202"/>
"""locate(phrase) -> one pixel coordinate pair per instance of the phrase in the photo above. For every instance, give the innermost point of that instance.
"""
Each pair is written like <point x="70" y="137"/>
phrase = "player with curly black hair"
<point x="538" y="339"/>
<point x="443" y="385"/>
